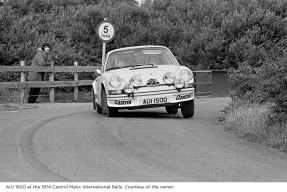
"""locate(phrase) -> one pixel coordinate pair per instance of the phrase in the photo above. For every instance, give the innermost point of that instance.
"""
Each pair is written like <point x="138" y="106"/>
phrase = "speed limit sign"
<point x="105" y="31"/>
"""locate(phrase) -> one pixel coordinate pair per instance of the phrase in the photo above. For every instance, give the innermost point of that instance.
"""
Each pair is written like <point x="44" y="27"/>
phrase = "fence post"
<point x="22" y="63"/>
<point x="52" y="89"/>
<point x="76" y="78"/>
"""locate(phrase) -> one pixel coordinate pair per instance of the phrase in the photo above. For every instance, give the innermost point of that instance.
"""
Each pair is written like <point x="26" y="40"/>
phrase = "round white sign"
<point x="106" y="31"/>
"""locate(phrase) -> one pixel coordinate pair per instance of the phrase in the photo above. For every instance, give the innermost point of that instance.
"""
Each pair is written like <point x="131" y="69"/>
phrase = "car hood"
<point x="146" y="72"/>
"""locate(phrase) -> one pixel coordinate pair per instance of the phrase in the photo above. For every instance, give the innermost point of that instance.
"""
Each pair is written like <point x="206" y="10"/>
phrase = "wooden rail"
<point x="51" y="69"/>
<point x="23" y="85"/>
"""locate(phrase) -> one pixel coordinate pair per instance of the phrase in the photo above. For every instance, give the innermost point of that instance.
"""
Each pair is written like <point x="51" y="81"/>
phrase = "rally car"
<point x="141" y="77"/>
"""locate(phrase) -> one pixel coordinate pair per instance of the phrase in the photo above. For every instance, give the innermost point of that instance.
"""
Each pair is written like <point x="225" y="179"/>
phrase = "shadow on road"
<point x="145" y="114"/>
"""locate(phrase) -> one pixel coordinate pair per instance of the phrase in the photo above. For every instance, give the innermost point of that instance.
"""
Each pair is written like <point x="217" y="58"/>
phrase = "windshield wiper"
<point x="144" y="66"/>
<point x="123" y="67"/>
<point x="113" y="68"/>
<point x="133" y="66"/>
<point x="150" y="64"/>
<point x="137" y="65"/>
<point x="147" y="64"/>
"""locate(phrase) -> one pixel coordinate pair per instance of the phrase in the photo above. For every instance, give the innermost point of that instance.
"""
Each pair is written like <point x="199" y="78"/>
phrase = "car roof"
<point x="137" y="47"/>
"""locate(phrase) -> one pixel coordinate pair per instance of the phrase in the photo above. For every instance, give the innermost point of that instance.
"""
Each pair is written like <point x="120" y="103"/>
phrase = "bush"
<point x="267" y="83"/>
<point x="244" y="82"/>
<point x="274" y="86"/>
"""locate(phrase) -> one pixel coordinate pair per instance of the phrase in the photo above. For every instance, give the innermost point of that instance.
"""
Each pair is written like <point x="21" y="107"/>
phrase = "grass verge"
<point x="251" y="121"/>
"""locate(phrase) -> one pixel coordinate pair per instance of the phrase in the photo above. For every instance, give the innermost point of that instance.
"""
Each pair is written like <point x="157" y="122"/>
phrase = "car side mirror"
<point x="98" y="72"/>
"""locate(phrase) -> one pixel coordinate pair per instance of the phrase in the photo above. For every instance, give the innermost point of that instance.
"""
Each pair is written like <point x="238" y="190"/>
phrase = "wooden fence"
<point x="23" y="84"/>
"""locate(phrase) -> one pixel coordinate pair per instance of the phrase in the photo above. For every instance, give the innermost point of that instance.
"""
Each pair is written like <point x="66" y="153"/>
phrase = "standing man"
<point x="42" y="58"/>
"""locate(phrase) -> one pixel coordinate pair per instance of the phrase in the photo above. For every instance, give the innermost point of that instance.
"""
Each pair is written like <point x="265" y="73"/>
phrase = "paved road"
<point x="71" y="142"/>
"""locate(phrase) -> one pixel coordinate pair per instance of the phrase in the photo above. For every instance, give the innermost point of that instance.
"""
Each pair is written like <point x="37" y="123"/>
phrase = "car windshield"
<point x="140" y="57"/>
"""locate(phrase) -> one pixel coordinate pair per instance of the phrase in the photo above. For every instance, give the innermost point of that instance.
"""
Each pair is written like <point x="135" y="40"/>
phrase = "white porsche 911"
<point x="141" y="77"/>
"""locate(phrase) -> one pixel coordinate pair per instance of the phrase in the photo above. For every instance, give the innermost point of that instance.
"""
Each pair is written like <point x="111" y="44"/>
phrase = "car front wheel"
<point x="96" y="106"/>
<point x="187" y="108"/>
<point x="109" y="111"/>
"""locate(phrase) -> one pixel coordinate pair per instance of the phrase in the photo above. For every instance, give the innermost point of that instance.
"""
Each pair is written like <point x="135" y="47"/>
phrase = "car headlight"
<point x="128" y="88"/>
<point x="186" y="75"/>
<point x="115" y="82"/>
<point x="179" y="83"/>
<point x="168" y="78"/>
<point x="136" y="80"/>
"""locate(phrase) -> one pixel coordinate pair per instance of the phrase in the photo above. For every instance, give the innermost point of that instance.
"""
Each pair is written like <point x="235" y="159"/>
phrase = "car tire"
<point x="106" y="110"/>
<point x="171" y="109"/>
<point x="96" y="106"/>
<point x="187" y="108"/>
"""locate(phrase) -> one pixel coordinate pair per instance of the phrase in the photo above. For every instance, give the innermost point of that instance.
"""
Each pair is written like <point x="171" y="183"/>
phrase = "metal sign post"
<point x="104" y="53"/>
<point x="106" y="33"/>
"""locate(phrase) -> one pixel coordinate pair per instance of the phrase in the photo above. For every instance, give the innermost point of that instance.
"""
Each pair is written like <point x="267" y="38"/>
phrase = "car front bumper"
<point x="150" y="98"/>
